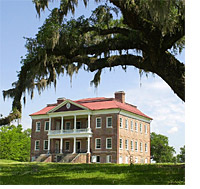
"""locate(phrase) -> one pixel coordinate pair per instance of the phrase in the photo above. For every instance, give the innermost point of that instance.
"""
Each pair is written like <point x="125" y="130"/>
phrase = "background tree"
<point x="161" y="152"/>
<point x="147" y="36"/>
<point x="14" y="143"/>
<point x="181" y="156"/>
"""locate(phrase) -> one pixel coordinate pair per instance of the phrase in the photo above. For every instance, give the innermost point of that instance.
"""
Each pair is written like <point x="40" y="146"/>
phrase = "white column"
<point x="74" y="145"/>
<point x="88" y="150"/>
<point x="88" y="121"/>
<point x="61" y="145"/>
<point x="61" y="124"/>
<point x="74" y="121"/>
<point x="49" y="145"/>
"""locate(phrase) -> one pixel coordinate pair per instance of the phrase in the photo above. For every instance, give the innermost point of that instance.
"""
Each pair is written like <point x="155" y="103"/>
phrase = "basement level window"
<point x="98" y="159"/>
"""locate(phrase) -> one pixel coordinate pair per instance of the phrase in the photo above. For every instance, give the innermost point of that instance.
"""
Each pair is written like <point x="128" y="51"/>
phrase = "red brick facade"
<point x="114" y="143"/>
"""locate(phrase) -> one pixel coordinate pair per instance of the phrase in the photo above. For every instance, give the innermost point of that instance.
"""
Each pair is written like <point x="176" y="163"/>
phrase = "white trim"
<point x="96" y="143"/>
<point x="121" y="122"/>
<point x="126" y="146"/>
<point x="36" y="130"/>
<point x="38" y="145"/>
<point x="40" y="116"/>
<point x="136" y="126"/>
<point x="141" y="147"/>
<point x="65" y="102"/>
<point x="135" y="116"/>
<point x="109" y="157"/>
<point x="121" y="143"/>
<point x="107" y="142"/>
<point x="146" y="147"/>
<point x="106" y="111"/>
<point x="145" y="129"/>
<point x="45" y="126"/>
<point x="107" y="122"/>
<point x="100" y="122"/>
<point x="69" y="113"/>
<point x="140" y="127"/>
<point x="44" y="144"/>
<point x="126" y="124"/>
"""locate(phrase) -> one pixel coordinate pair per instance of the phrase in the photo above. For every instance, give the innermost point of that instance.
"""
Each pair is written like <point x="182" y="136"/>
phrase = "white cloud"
<point x="173" y="130"/>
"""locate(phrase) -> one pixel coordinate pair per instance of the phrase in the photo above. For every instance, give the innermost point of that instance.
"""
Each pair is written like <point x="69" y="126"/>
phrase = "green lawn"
<point x="16" y="173"/>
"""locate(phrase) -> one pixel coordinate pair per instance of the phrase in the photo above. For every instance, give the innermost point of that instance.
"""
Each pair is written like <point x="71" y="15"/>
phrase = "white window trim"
<point x="126" y="124"/>
<point x="107" y="158"/>
<point x="122" y="144"/>
<point x="141" y="147"/>
<point x="145" y="126"/>
<point x="121" y="126"/>
<point x="99" y="158"/>
<point x="45" y="126"/>
<point x="96" y="122"/>
<point x="44" y="144"/>
<point x="136" y="144"/>
<point x="146" y="147"/>
<point x="140" y="127"/>
<point x="132" y="147"/>
<point x="96" y="143"/>
<point x="107" y="121"/>
<point x="37" y="127"/>
<point x="38" y="145"/>
<point x="131" y="125"/>
<point x="107" y="143"/>
<point x="136" y="127"/>
<point x="65" y="146"/>
<point x="66" y="125"/>
<point x="127" y="144"/>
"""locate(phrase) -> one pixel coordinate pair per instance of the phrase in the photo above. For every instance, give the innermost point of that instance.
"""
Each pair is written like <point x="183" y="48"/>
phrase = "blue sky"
<point x="151" y="95"/>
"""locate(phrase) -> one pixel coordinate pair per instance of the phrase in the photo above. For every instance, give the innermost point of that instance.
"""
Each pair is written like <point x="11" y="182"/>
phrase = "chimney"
<point x="60" y="100"/>
<point x="120" y="96"/>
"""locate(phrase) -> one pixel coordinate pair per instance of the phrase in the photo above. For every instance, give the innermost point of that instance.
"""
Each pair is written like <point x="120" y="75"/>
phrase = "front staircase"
<point x="42" y="157"/>
<point x="68" y="158"/>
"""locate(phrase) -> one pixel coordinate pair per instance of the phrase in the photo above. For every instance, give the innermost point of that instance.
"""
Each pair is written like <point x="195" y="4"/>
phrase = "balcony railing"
<point x="69" y="131"/>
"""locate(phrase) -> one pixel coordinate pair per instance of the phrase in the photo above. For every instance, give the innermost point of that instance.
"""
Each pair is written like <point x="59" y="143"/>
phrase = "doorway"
<point x="57" y="146"/>
<point x="78" y="146"/>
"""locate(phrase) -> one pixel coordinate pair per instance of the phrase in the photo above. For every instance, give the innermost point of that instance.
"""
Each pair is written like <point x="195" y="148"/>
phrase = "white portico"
<point x="69" y="121"/>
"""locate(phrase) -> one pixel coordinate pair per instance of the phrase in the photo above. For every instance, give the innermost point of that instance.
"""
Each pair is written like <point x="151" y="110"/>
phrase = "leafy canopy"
<point x="147" y="36"/>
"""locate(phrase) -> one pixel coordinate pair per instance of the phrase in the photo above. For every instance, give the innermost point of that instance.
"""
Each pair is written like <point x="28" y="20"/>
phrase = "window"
<point x="98" y="159"/>
<point x="67" y="145"/>
<point x="136" y="146"/>
<point x="126" y="159"/>
<point x="140" y="146"/>
<point x="140" y="127"/>
<point x="126" y="144"/>
<point x="78" y="125"/>
<point x="131" y="145"/>
<point x="145" y="147"/>
<point x="131" y="125"/>
<point x="37" y="145"/>
<point x="120" y="160"/>
<point x="136" y="159"/>
<point x="121" y="122"/>
<point x="109" y="122"/>
<point x="145" y="129"/>
<point x="46" y="126"/>
<point x="108" y="159"/>
<point x="45" y="144"/>
<point x="146" y="161"/>
<point x="108" y="143"/>
<point x="98" y="143"/>
<point x="67" y="125"/>
<point x="126" y="125"/>
<point x="120" y="143"/>
<point x="38" y="126"/>
<point x="136" y="127"/>
<point x="98" y="122"/>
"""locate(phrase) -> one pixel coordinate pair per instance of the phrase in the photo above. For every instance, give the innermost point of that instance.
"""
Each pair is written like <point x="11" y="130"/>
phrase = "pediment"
<point x="68" y="105"/>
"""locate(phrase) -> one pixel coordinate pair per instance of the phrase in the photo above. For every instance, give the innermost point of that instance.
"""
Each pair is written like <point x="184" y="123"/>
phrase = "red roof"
<point x="43" y="111"/>
<point x="99" y="103"/>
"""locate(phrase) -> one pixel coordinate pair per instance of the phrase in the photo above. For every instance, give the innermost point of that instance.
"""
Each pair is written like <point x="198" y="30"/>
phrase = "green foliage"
<point x="161" y="152"/>
<point x="181" y="156"/>
<point x="143" y="37"/>
<point x="91" y="174"/>
<point x="15" y="143"/>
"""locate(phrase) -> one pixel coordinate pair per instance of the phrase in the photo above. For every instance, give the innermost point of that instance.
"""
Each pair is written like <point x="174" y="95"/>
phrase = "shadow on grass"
<point x="90" y="174"/>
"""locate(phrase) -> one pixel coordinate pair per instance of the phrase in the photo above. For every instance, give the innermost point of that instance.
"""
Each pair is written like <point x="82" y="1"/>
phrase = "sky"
<point x="150" y="94"/>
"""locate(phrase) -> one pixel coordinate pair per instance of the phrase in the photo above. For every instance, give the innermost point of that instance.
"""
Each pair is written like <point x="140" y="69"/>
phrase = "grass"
<point x="17" y="173"/>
